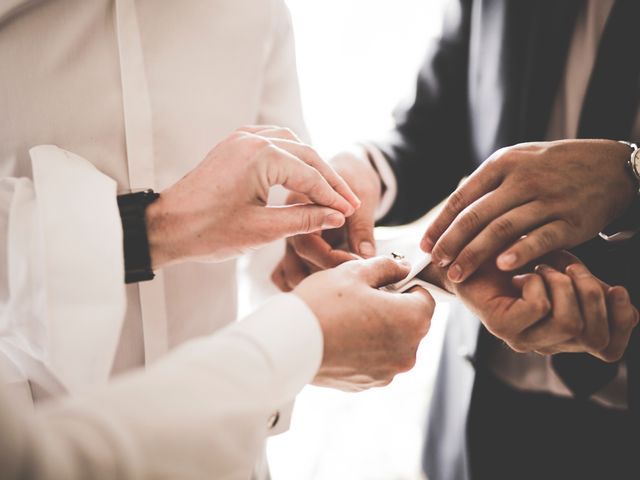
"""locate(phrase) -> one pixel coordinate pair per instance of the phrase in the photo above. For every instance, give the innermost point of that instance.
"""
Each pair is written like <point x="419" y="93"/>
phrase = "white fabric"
<point x="203" y="411"/>
<point x="143" y="90"/>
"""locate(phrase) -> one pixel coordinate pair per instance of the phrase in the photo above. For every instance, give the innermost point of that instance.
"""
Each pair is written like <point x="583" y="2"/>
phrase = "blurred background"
<point x="356" y="60"/>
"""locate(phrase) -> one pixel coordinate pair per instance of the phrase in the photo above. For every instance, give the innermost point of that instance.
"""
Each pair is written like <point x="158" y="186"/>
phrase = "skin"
<point x="309" y="253"/>
<point x="219" y="211"/>
<point x="227" y="192"/>
<point x="528" y="200"/>
<point x="370" y="335"/>
<point x="558" y="306"/>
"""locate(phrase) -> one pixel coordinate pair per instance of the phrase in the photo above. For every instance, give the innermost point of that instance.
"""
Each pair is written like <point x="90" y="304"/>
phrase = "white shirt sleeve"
<point x="203" y="411"/>
<point x="63" y="265"/>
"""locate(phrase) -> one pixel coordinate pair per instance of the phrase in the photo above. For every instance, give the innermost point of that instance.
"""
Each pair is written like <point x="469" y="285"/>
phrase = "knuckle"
<point x="408" y="363"/>
<point x="571" y="327"/>
<point x="456" y="202"/>
<point x="520" y="346"/>
<point x="469" y="256"/>
<point x="546" y="239"/>
<point x="612" y="356"/>
<point x="286" y="131"/>
<point x="593" y="294"/>
<point x="503" y="228"/>
<point x="470" y="220"/>
<point x="542" y="307"/>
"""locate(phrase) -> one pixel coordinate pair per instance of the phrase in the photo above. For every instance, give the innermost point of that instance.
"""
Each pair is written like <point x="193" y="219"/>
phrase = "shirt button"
<point x="273" y="420"/>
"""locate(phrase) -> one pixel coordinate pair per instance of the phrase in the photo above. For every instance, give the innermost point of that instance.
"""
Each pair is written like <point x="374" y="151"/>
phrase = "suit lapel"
<point x="518" y="52"/>
<point x="550" y="34"/>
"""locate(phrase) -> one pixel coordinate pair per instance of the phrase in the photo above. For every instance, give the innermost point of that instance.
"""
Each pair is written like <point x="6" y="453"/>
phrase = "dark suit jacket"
<point x="490" y="82"/>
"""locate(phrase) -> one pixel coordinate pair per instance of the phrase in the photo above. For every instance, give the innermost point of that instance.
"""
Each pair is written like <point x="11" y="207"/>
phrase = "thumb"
<point x="381" y="271"/>
<point x="292" y="220"/>
<point x="360" y="231"/>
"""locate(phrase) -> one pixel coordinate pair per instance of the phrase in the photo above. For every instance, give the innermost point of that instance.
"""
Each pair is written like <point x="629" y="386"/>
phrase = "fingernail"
<point x="444" y="262"/>
<point x="427" y="244"/>
<point x="621" y="297"/>
<point x="333" y="220"/>
<point x="541" y="268"/>
<point x="350" y="210"/>
<point x="507" y="260"/>
<point x="367" y="249"/>
<point x="455" y="273"/>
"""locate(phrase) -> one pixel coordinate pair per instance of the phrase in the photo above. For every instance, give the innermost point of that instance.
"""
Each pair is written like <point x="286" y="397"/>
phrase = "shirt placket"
<point x="138" y="128"/>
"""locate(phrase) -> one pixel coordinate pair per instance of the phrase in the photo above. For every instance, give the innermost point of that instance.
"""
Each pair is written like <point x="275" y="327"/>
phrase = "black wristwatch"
<point x="137" y="259"/>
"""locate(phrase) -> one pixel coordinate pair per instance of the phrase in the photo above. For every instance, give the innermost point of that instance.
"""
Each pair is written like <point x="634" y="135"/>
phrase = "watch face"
<point x="635" y="162"/>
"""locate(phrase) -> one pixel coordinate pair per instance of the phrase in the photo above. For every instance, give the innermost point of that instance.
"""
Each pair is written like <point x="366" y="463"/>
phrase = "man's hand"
<point x="542" y="196"/>
<point x="219" y="210"/>
<point x="561" y="307"/>
<point x="369" y="335"/>
<point x="309" y="253"/>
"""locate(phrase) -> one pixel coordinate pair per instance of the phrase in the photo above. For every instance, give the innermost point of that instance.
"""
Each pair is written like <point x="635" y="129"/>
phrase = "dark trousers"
<point x="515" y="435"/>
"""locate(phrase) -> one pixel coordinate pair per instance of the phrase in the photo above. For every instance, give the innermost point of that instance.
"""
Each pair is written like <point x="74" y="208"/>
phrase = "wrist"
<point x="162" y="245"/>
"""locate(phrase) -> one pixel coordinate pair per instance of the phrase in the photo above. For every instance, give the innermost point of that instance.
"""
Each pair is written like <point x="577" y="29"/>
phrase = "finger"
<point x="257" y="128"/>
<point x="591" y="297"/>
<point x="381" y="271"/>
<point x="531" y="307"/>
<point x="471" y="221"/>
<point x="547" y="238"/>
<point x="277" y="132"/>
<point x="498" y="233"/>
<point x="421" y="302"/>
<point x="290" y="271"/>
<point x="286" y="169"/>
<point x="286" y="221"/>
<point x="483" y="180"/>
<point x="360" y="231"/>
<point x="308" y="155"/>
<point x="565" y="322"/>
<point x="623" y="319"/>
<point x="317" y="251"/>
<point x="277" y="277"/>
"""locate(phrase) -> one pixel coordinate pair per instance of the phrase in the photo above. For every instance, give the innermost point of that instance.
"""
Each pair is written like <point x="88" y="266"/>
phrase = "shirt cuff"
<point x="82" y="250"/>
<point x="387" y="177"/>
<point x="289" y="333"/>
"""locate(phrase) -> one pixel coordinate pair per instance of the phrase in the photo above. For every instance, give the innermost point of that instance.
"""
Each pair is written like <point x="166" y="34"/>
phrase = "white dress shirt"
<point x="203" y="411"/>
<point x="142" y="90"/>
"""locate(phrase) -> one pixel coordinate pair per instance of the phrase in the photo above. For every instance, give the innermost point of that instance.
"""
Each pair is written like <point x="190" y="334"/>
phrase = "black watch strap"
<point x="137" y="259"/>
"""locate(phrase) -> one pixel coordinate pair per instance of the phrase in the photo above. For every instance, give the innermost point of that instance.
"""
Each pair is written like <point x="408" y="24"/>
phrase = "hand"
<point x="309" y="253"/>
<point x="369" y="335"/>
<point x="542" y="196"/>
<point x="219" y="210"/>
<point x="548" y="311"/>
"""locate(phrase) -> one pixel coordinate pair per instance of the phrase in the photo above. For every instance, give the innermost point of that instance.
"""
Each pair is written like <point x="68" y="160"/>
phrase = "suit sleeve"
<point x="429" y="149"/>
